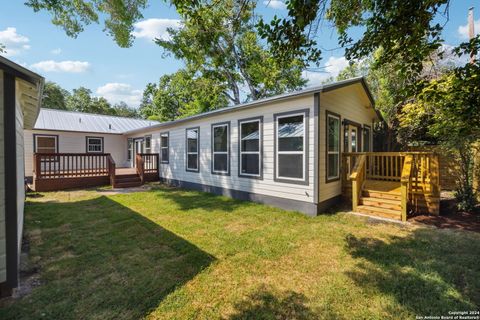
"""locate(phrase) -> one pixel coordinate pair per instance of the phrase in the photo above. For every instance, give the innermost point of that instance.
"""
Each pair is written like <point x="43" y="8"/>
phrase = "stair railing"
<point x="406" y="184"/>
<point x="111" y="170"/>
<point x="140" y="167"/>
<point x="358" y="177"/>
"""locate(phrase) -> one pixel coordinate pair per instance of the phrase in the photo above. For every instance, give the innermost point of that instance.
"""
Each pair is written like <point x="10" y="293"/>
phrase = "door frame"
<point x="135" y="151"/>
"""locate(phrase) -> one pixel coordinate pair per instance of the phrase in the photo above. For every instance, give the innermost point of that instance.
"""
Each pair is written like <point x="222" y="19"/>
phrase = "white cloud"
<point x="115" y="92"/>
<point x="15" y="43"/>
<point x="333" y="66"/>
<point x="62" y="66"/>
<point x="275" y="4"/>
<point x="56" y="51"/>
<point x="463" y="30"/>
<point x="155" y="28"/>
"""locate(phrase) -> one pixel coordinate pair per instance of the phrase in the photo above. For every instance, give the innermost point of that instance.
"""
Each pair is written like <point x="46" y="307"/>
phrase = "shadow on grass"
<point x="99" y="259"/>
<point x="266" y="305"/>
<point x="428" y="272"/>
<point x="190" y="200"/>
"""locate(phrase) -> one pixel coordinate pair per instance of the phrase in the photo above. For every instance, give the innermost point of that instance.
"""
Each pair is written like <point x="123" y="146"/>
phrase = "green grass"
<point x="173" y="254"/>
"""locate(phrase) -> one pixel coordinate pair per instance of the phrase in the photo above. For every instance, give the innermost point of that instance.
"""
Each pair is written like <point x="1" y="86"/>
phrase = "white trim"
<point x="220" y="152"/>
<point x="193" y="153"/>
<point x="303" y="153"/>
<point x="93" y="145"/>
<point x="260" y="137"/>
<point x="333" y="152"/>
<point x="164" y="135"/>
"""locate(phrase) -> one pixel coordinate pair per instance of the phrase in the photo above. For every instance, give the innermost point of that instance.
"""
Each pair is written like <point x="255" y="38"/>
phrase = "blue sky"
<point x="93" y="60"/>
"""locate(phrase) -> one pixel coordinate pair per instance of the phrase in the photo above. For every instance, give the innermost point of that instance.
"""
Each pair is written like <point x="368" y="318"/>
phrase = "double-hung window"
<point x="221" y="148"/>
<point x="94" y="145"/>
<point x="148" y="144"/>
<point x="193" y="140"/>
<point x="250" y="148"/>
<point x="291" y="137"/>
<point x="164" y="145"/>
<point x="333" y="146"/>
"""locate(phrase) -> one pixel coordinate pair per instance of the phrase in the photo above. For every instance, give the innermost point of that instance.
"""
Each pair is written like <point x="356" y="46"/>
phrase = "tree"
<point x="180" y="95"/>
<point x="81" y="100"/>
<point x="123" y="110"/>
<point x="219" y="43"/>
<point x="54" y="96"/>
<point x="449" y="109"/>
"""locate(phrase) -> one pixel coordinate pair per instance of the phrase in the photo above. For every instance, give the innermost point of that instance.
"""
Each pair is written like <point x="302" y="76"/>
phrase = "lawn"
<point x="174" y="254"/>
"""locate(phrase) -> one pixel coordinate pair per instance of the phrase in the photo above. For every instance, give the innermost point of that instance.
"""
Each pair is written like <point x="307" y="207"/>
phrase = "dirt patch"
<point x="450" y="218"/>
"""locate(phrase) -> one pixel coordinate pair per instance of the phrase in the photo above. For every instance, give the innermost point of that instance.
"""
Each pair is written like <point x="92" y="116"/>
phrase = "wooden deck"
<point x="59" y="171"/>
<point x="392" y="185"/>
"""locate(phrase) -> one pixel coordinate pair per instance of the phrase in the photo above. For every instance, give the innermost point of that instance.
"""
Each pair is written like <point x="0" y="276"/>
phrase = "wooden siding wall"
<point x="3" y="261"/>
<point x="75" y="142"/>
<point x="176" y="167"/>
<point x="350" y="103"/>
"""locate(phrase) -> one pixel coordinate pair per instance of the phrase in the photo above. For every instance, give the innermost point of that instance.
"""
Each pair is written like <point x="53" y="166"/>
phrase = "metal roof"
<point x="320" y="88"/>
<point x="60" y="120"/>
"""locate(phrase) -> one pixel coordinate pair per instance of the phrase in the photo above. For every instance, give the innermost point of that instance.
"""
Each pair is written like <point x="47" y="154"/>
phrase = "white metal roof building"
<point x="60" y="120"/>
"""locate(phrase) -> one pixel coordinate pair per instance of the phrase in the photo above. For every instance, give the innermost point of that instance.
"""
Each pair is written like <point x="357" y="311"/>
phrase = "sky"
<point x="93" y="60"/>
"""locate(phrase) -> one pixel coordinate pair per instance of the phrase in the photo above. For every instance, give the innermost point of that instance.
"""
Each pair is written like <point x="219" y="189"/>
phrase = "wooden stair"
<point x="127" y="180"/>
<point x="381" y="199"/>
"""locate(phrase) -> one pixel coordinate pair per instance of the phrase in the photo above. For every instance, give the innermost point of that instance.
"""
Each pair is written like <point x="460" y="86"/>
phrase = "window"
<point x="353" y="133"/>
<point x="45" y="144"/>
<point x="129" y="149"/>
<point x="94" y="145"/>
<point x="250" y="144"/>
<point x="221" y="148"/>
<point x="148" y="144"/>
<point x="291" y="147"/>
<point x="164" y="147"/>
<point x="333" y="146"/>
<point x="192" y="147"/>
<point x="366" y="138"/>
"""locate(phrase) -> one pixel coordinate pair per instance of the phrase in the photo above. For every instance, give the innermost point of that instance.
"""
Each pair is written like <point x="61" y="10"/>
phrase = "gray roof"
<point x="60" y="120"/>
<point x="310" y="90"/>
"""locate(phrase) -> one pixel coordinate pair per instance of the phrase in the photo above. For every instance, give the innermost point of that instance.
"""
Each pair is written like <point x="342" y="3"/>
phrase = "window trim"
<point x="366" y="126"/>
<point x="35" y="135"/>
<point x="130" y="150"/>
<point x="198" y="149"/>
<point x="213" y="126"/>
<point x="145" y="144"/>
<point x="167" y="134"/>
<point x="339" y="117"/>
<point x="306" y="128"/>
<point x="260" y="151"/>
<point x="93" y="137"/>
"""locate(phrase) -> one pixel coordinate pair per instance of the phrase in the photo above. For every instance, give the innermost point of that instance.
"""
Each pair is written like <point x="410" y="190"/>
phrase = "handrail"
<point x="405" y="181"/>
<point x="140" y="166"/>
<point x="111" y="170"/>
<point x="357" y="177"/>
<point x="70" y="165"/>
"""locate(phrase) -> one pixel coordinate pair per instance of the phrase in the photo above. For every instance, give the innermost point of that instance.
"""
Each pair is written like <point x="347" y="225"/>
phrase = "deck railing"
<point x="146" y="164"/>
<point x="416" y="172"/>
<point x="69" y="165"/>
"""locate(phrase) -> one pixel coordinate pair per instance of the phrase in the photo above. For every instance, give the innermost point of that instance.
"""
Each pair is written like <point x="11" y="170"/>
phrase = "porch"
<point x="393" y="185"/>
<point x="59" y="171"/>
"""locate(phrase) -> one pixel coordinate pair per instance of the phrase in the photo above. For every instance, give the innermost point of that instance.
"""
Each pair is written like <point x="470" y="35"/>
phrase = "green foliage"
<point x="123" y="110"/>
<point x="2" y="48"/>
<point x="72" y="15"/>
<point x="219" y="43"/>
<point x="180" y="95"/>
<point x="449" y="110"/>
<point x="54" y="96"/>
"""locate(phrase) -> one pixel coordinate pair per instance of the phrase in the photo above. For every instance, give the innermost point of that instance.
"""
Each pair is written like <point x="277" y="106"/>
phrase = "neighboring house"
<point x="284" y="150"/>
<point x="59" y="131"/>
<point x="20" y="93"/>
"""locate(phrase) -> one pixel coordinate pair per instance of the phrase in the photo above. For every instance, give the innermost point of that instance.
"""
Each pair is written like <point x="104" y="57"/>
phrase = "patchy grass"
<point x="173" y="254"/>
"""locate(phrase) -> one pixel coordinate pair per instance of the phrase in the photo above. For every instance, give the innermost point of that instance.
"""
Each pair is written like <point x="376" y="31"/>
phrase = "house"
<point x="20" y="92"/>
<point x="284" y="150"/>
<point x="61" y="131"/>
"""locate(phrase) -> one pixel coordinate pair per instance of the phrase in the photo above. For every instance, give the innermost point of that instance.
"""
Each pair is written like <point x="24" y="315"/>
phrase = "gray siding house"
<point x="20" y="93"/>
